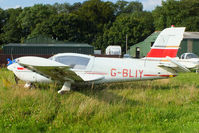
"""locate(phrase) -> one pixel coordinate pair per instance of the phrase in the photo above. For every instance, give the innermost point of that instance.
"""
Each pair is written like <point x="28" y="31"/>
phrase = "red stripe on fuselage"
<point x="21" y="68"/>
<point x="153" y="75"/>
<point x="162" y="53"/>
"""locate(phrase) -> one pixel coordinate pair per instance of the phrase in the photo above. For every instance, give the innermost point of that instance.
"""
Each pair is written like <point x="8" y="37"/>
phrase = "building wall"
<point x="144" y="49"/>
<point x="189" y="46"/>
<point x="196" y="46"/>
<point x="183" y="47"/>
<point x="48" y="50"/>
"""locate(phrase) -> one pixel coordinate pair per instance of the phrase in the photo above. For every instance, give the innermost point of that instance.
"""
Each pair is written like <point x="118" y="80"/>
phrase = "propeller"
<point x="16" y="79"/>
<point x="10" y="62"/>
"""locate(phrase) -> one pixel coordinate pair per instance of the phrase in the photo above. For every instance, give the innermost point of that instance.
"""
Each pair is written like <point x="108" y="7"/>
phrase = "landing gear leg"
<point x="92" y="86"/>
<point x="66" y="87"/>
<point x="27" y="85"/>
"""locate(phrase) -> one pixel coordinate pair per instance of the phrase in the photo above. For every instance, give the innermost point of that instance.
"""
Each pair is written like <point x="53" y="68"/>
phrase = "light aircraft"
<point x="72" y="68"/>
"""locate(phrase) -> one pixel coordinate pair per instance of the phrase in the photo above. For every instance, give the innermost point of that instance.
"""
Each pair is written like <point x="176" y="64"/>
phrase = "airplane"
<point x="72" y="68"/>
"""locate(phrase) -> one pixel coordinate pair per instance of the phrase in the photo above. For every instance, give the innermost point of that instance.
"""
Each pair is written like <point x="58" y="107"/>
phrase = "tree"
<point x="32" y="16"/>
<point x="11" y="30"/>
<point x="76" y="6"/>
<point x="137" y="26"/>
<point x="65" y="27"/>
<point x="179" y="13"/>
<point x="94" y="14"/>
<point x="3" y="19"/>
<point x="66" y="7"/>
<point x="62" y="8"/>
<point x="127" y="7"/>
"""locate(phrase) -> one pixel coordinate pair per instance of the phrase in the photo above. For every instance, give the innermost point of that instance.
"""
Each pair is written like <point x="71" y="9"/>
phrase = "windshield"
<point x="76" y="62"/>
<point x="189" y="56"/>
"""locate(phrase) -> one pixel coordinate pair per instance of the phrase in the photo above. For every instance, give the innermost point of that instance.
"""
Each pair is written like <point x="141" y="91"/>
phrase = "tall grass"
<point x="169" y="105"/>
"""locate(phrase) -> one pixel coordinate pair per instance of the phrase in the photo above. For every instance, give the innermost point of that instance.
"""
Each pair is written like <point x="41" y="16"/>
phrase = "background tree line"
<point x="96" y="22"/>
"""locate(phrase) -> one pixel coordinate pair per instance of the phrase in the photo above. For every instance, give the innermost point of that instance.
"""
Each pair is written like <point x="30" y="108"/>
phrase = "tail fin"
<point x="167" y="43"/>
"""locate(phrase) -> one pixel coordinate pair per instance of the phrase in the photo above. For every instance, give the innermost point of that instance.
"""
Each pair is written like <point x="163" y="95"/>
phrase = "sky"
<point x="5" y="4"/>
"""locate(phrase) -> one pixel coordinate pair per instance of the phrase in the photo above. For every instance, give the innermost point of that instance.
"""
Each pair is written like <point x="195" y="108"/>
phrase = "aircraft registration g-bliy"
<point x="71" y="68"/>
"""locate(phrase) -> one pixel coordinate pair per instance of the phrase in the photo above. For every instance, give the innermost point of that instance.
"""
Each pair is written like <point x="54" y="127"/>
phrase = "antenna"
<point x="11" y="54"/>
<point x="126" y="43"/>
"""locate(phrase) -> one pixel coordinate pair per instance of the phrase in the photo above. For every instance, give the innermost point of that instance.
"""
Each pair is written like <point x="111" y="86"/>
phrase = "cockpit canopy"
<point x="75" y="61"/>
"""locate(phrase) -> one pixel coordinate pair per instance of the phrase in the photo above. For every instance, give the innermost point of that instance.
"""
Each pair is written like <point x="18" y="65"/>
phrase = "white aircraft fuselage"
<point x="70" y="68"/>
<point x="111" y="69"/>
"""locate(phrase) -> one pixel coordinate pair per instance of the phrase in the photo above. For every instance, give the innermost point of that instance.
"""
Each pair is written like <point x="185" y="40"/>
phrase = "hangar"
<point x="190" y="43"/>
<point x="42" y="45"/>
<point x="47" y="49"/>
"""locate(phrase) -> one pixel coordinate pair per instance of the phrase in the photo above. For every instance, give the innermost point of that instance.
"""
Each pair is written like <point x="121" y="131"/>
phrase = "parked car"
<point x="191" y="58"/>
<point x="188" y="56"/>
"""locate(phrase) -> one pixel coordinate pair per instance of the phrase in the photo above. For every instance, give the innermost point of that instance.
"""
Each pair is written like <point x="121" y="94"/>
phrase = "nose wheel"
<point x="65" y="88"/>
<point x="28" y="85"/>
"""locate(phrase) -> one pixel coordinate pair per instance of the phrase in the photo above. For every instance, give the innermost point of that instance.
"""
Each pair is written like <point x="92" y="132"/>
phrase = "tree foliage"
<point x="128" y="7"/>
<point x="96" y="22"/>
<point x="32" y="16"/>
<point x="11" y="32"/>
<point x="135" y="27"/>
<point x="178" y="13"/>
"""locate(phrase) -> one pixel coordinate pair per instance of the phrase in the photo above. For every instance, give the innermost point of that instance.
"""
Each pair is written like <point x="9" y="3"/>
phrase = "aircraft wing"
<point x="89" y="77"/>
<point x="174" y="65"/>
<point x="48" y="68"/>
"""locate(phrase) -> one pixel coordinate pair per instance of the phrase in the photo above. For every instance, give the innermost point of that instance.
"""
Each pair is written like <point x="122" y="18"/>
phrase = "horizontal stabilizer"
<point x="180" y="66"/>
<point x="174" y="65"/>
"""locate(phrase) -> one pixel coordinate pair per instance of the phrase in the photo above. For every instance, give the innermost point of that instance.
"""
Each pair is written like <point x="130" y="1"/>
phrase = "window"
<point x="189" y="56"/>
<point x="152" y="44"/>
<point x="76" y="62"/>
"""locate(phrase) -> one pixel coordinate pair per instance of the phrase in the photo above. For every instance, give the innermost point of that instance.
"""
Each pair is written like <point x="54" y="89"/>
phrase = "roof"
<point x="152" y="37"/>
<point x="49" y="45"/>
<point x="149" y="39"/>
<point x="187" y="35"/>
<point x="191" y="35"/>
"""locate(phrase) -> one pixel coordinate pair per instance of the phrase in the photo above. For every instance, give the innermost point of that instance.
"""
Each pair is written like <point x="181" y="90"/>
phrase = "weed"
<point x="169" y="105"/>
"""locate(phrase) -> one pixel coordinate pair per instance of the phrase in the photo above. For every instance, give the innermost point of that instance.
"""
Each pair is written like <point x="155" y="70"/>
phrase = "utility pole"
<point x="126" y="43"/>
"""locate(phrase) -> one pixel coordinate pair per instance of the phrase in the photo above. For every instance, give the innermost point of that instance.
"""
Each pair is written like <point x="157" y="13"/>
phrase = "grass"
<point x="169" y="105"/>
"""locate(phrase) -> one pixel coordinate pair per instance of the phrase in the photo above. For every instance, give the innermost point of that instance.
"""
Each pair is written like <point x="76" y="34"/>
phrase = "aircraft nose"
<point x="10" y="67"/>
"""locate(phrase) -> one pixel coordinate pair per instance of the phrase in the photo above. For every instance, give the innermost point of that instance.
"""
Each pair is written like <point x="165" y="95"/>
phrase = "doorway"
<point x="137" y="55"/>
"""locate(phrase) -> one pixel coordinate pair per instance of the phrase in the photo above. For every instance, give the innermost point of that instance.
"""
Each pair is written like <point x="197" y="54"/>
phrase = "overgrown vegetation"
<point x="169" y="105"/>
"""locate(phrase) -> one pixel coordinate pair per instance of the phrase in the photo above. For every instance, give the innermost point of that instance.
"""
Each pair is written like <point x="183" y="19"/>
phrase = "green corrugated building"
<point x="42" y="45"/>
<point x="190" y="43"/>
<point x="141" y="49"/>
<point x="47" y="49"/>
